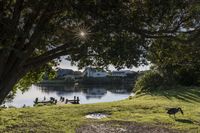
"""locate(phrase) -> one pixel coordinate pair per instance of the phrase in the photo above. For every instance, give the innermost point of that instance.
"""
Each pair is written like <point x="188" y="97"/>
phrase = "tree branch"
<point x="17" y="11"/>
<point x="41" y="61"/>
<point x="50" y="53"/>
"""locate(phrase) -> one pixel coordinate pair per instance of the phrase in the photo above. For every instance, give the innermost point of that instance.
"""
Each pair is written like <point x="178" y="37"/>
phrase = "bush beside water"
<point x="154" y="81"/>
<point x="149" y="81"/>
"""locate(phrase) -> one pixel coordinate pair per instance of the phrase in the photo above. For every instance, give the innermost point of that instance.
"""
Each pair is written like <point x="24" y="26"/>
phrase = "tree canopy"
<point x="176" y="62"/>
<point x="88" y="32"/>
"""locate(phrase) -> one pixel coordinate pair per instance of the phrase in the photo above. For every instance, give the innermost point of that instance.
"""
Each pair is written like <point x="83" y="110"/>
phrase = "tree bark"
<point x="8" y="83"/>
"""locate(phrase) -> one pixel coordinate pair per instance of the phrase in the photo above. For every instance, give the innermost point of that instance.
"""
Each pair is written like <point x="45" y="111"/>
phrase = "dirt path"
<point x="122" y="127"/>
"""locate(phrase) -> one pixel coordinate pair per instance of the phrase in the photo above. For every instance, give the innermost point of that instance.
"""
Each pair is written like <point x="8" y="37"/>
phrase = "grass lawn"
<point x="144" y="108"/>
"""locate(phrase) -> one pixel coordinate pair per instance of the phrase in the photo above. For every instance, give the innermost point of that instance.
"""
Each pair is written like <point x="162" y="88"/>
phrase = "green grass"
<point x="143" y="108"/>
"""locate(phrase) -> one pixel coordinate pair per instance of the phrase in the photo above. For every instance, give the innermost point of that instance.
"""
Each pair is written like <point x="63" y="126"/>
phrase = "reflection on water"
<point x="87" y="94"/>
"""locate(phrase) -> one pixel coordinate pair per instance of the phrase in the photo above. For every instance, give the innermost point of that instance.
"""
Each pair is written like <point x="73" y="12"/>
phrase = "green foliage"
<point x="149" y="81"/>
<point x="179" y="63"/>
<point x="188" y="77"/>
<point x="30" y="78"/>
<point x="34" y="77"/>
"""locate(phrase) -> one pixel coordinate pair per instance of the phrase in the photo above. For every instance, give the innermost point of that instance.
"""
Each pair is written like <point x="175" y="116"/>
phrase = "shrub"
<point x="149" y="81"/>
<point x="188" y="77"/>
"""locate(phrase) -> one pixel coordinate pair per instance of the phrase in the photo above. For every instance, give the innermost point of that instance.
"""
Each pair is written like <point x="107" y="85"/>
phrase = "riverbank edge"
<point x="149" y="109"/>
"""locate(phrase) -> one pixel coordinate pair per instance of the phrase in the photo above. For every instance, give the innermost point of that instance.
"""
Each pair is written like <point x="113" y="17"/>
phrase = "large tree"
<point x="87" y="32"/>
<point x="178" y="63"/>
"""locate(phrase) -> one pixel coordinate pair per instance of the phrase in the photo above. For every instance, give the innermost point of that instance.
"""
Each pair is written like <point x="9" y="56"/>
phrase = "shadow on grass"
<point x="184" y="121"/>
<point x="187" y="94"/>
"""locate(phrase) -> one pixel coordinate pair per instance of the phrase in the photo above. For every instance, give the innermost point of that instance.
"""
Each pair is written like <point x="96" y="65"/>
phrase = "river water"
<point x="86" y="94"/>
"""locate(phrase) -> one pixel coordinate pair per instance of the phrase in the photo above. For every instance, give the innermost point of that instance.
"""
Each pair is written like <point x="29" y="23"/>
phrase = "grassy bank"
<point x="144" y="108"/>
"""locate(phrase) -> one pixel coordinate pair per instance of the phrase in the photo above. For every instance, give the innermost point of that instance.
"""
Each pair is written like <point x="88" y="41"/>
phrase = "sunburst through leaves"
<point x="82" y="33"/>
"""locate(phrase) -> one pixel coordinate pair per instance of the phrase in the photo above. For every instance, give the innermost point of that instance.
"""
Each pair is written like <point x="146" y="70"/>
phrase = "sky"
<point x="67" y="65"/>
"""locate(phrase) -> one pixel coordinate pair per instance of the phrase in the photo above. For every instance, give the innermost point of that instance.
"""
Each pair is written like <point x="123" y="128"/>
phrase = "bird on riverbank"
<point x="173" y="111"/>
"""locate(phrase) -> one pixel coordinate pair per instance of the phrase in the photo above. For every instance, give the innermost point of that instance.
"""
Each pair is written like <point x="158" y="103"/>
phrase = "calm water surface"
<point x="86" y="94"/>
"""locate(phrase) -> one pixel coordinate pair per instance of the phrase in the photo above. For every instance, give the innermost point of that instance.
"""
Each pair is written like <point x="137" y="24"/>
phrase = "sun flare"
<point x="82" y="33"/>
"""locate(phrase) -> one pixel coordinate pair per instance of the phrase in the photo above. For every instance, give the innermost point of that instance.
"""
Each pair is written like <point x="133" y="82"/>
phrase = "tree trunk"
<point x="4" y="90"/>
<point x="8" y="82"/>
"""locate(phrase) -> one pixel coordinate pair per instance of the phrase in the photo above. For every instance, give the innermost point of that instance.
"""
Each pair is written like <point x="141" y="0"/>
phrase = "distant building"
<point x="124" y="73"/>
<point x="92" y="72"/>
<point x="78" y="74"/>
<point x="62" y="73"/>
<point x="74" y="75"/>
<point x="118" y="74"/>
